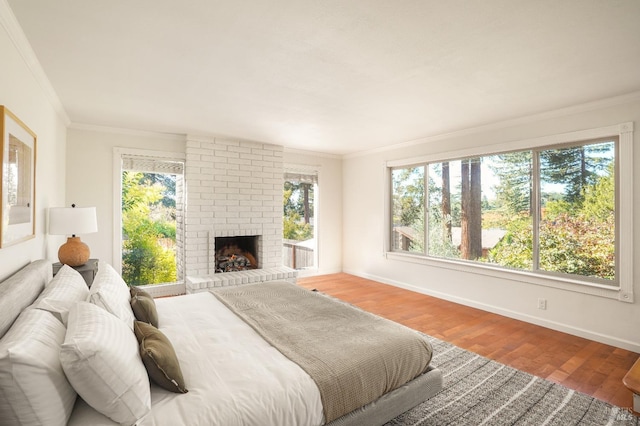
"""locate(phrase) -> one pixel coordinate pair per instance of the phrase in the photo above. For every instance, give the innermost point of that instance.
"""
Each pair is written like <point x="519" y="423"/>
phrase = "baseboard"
<point x="553" y="325"/>
<point x="302" y="273"/>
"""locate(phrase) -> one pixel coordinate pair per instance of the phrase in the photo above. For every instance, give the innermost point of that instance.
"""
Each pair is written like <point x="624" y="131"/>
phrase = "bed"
<point x="257" y="354"/>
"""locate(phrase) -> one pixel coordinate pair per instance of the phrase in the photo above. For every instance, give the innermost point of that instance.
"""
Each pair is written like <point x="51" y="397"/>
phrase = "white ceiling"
<point x="335" y="76"/>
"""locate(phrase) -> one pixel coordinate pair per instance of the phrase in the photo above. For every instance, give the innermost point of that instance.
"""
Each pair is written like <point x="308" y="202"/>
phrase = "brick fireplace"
<point x="234" y="189"/>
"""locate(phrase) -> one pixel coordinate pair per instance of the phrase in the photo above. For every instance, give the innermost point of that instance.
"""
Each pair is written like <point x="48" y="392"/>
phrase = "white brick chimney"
<point x="234" y="188"/>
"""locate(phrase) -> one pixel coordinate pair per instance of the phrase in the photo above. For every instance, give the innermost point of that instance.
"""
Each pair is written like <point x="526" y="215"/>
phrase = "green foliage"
<point x="514" y="171"/>
<point x="146" y="225"/>
<point x="165" y="229"/>
<point x="580" y="245"/>
<point x="293" y="223"/>
<point x="294" y="198"/>
<point x="579" y="238"/>
<point x="576" y="167"/>
<point x="575" y="237"/>
<point x="559" y="207"/>
<point x="515" y="249"/>
<point x="576" y="232"/>
<point x="293" y="228"/>
<point x="408" y="205"/>
<point x="599" y="200"/>
<point x="440" y="244"/>
<point x="577" y="227"/>
<point x="408" y="196"/>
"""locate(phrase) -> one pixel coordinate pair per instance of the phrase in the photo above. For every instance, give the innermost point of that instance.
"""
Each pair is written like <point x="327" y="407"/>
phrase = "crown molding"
<point x="312" y="153"/>
<point x="9" y="22"/>
<point x="562" y="112"/>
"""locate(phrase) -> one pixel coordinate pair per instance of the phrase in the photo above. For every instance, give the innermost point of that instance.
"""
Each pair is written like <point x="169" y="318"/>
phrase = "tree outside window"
<point x="298" y="219"/>
<point x="550" y="210"/>
<point x="148" y="228"/>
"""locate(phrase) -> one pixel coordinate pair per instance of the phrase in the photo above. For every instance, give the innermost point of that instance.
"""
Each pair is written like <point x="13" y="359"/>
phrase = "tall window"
<point x="152" y="191"/>
<point x="299" y="219"/>
<point x="550" y="210"/>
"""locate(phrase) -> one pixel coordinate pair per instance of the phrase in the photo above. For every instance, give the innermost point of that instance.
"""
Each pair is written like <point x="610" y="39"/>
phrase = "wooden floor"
<point x="586" y="366"/>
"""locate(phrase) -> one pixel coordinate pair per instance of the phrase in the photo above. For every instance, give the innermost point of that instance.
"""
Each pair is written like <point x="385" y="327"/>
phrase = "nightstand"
<point x="88" y="270"/>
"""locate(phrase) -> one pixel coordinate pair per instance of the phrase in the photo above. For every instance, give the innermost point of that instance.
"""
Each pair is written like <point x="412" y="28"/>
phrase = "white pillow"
<point x="100" y="358"/>
<point x="110" y="292"/>
<point x="33" y="387"/>
<point x="62" y="292"/>
<point x="21" y="289"/>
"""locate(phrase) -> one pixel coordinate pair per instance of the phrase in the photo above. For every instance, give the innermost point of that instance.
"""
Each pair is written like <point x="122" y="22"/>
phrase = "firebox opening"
<point x="236" y="253"/>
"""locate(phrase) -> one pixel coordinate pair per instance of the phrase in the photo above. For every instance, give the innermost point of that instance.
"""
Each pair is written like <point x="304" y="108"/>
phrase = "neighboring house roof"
<point x="490" y="237"/>
<point x="406" y="231"/>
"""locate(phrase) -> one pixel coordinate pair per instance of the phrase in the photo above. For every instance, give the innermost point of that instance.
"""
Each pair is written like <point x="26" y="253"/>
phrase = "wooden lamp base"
<point x="74" y="252"/>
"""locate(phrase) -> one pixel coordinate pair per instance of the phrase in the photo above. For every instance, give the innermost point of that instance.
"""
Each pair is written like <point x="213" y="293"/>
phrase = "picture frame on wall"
<point x="18" y="184"/>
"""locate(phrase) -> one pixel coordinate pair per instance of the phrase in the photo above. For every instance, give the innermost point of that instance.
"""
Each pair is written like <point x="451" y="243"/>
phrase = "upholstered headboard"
<point x="21" y="289"/>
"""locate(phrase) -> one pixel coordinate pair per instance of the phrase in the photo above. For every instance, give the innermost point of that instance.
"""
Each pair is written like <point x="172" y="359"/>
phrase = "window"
<point x="150" y="218"/>
<point x="408" y="209"/>
<point x="299" y="219"/>
<point x="552" y="210"/>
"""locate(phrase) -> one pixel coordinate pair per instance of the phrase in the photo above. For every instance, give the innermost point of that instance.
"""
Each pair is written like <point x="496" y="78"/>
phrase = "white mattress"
<point x="234" y="377"/>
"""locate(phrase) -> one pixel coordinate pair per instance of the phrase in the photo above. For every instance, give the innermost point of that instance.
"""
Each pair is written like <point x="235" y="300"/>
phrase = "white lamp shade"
<point x="72" y="220"/>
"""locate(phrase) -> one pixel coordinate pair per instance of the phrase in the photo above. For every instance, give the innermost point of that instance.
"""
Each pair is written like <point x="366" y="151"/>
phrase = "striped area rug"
<point x="478" y="391"/>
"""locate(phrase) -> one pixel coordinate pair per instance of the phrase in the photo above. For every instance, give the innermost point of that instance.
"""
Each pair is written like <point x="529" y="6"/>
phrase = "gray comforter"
<point x="353" y="356"/>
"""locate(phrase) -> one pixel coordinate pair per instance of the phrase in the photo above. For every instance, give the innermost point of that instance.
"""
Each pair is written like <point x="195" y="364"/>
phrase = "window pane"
<point x="299" y="240"/>
<point x="149" y="222"/>
<point x="507" y="217"/>
<point x="444" y="209"/>
<point x="577" y="210"/>
<point x="479" y="209"/>
<point x="408" y="209"/>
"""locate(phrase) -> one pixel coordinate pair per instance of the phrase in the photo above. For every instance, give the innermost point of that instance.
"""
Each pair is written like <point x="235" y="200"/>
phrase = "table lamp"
<point x="72" y="221"/>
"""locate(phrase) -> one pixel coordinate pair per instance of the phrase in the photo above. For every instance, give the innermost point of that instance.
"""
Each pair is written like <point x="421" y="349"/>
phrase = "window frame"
<point x="156" y="290"/>
<point x="316" y="171"/>
<point x="623" y="291"/>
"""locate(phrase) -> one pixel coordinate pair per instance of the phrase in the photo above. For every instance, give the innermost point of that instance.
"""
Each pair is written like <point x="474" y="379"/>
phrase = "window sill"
<point x="578" y="286"/>
<point x="164" y="290"/>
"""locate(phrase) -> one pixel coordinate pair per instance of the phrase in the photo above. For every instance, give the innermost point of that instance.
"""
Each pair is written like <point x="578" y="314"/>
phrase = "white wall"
<point x="598" y="318"/>
<point x="90" y="174"/>
<point x="329" y="200"/>
<point x="23" y="94"/>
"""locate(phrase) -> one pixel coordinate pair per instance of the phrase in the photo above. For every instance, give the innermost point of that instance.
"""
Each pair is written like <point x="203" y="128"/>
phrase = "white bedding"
<point x="228" y="383"/>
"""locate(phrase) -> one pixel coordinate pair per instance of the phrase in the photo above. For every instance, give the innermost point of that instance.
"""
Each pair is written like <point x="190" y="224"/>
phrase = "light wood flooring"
<point x="584" y="365"/>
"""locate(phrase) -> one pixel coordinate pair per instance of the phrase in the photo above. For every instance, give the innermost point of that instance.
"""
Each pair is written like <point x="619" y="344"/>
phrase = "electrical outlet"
<point x="542" y="304"/>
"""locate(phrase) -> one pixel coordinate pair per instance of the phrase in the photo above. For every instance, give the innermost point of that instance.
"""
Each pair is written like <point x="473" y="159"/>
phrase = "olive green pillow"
<point x="133" y="290"/>
<point x="143" y="306"/>
<point x="159" y="358"/>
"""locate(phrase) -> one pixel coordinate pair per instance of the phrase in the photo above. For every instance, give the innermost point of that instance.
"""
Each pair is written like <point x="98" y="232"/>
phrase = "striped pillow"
<point x="33" y="387"/>
<point x="64" y="290"/>
<point x="110" y="292"/>
<point x="20" y="290"/>
<point x="100" y="358"/>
